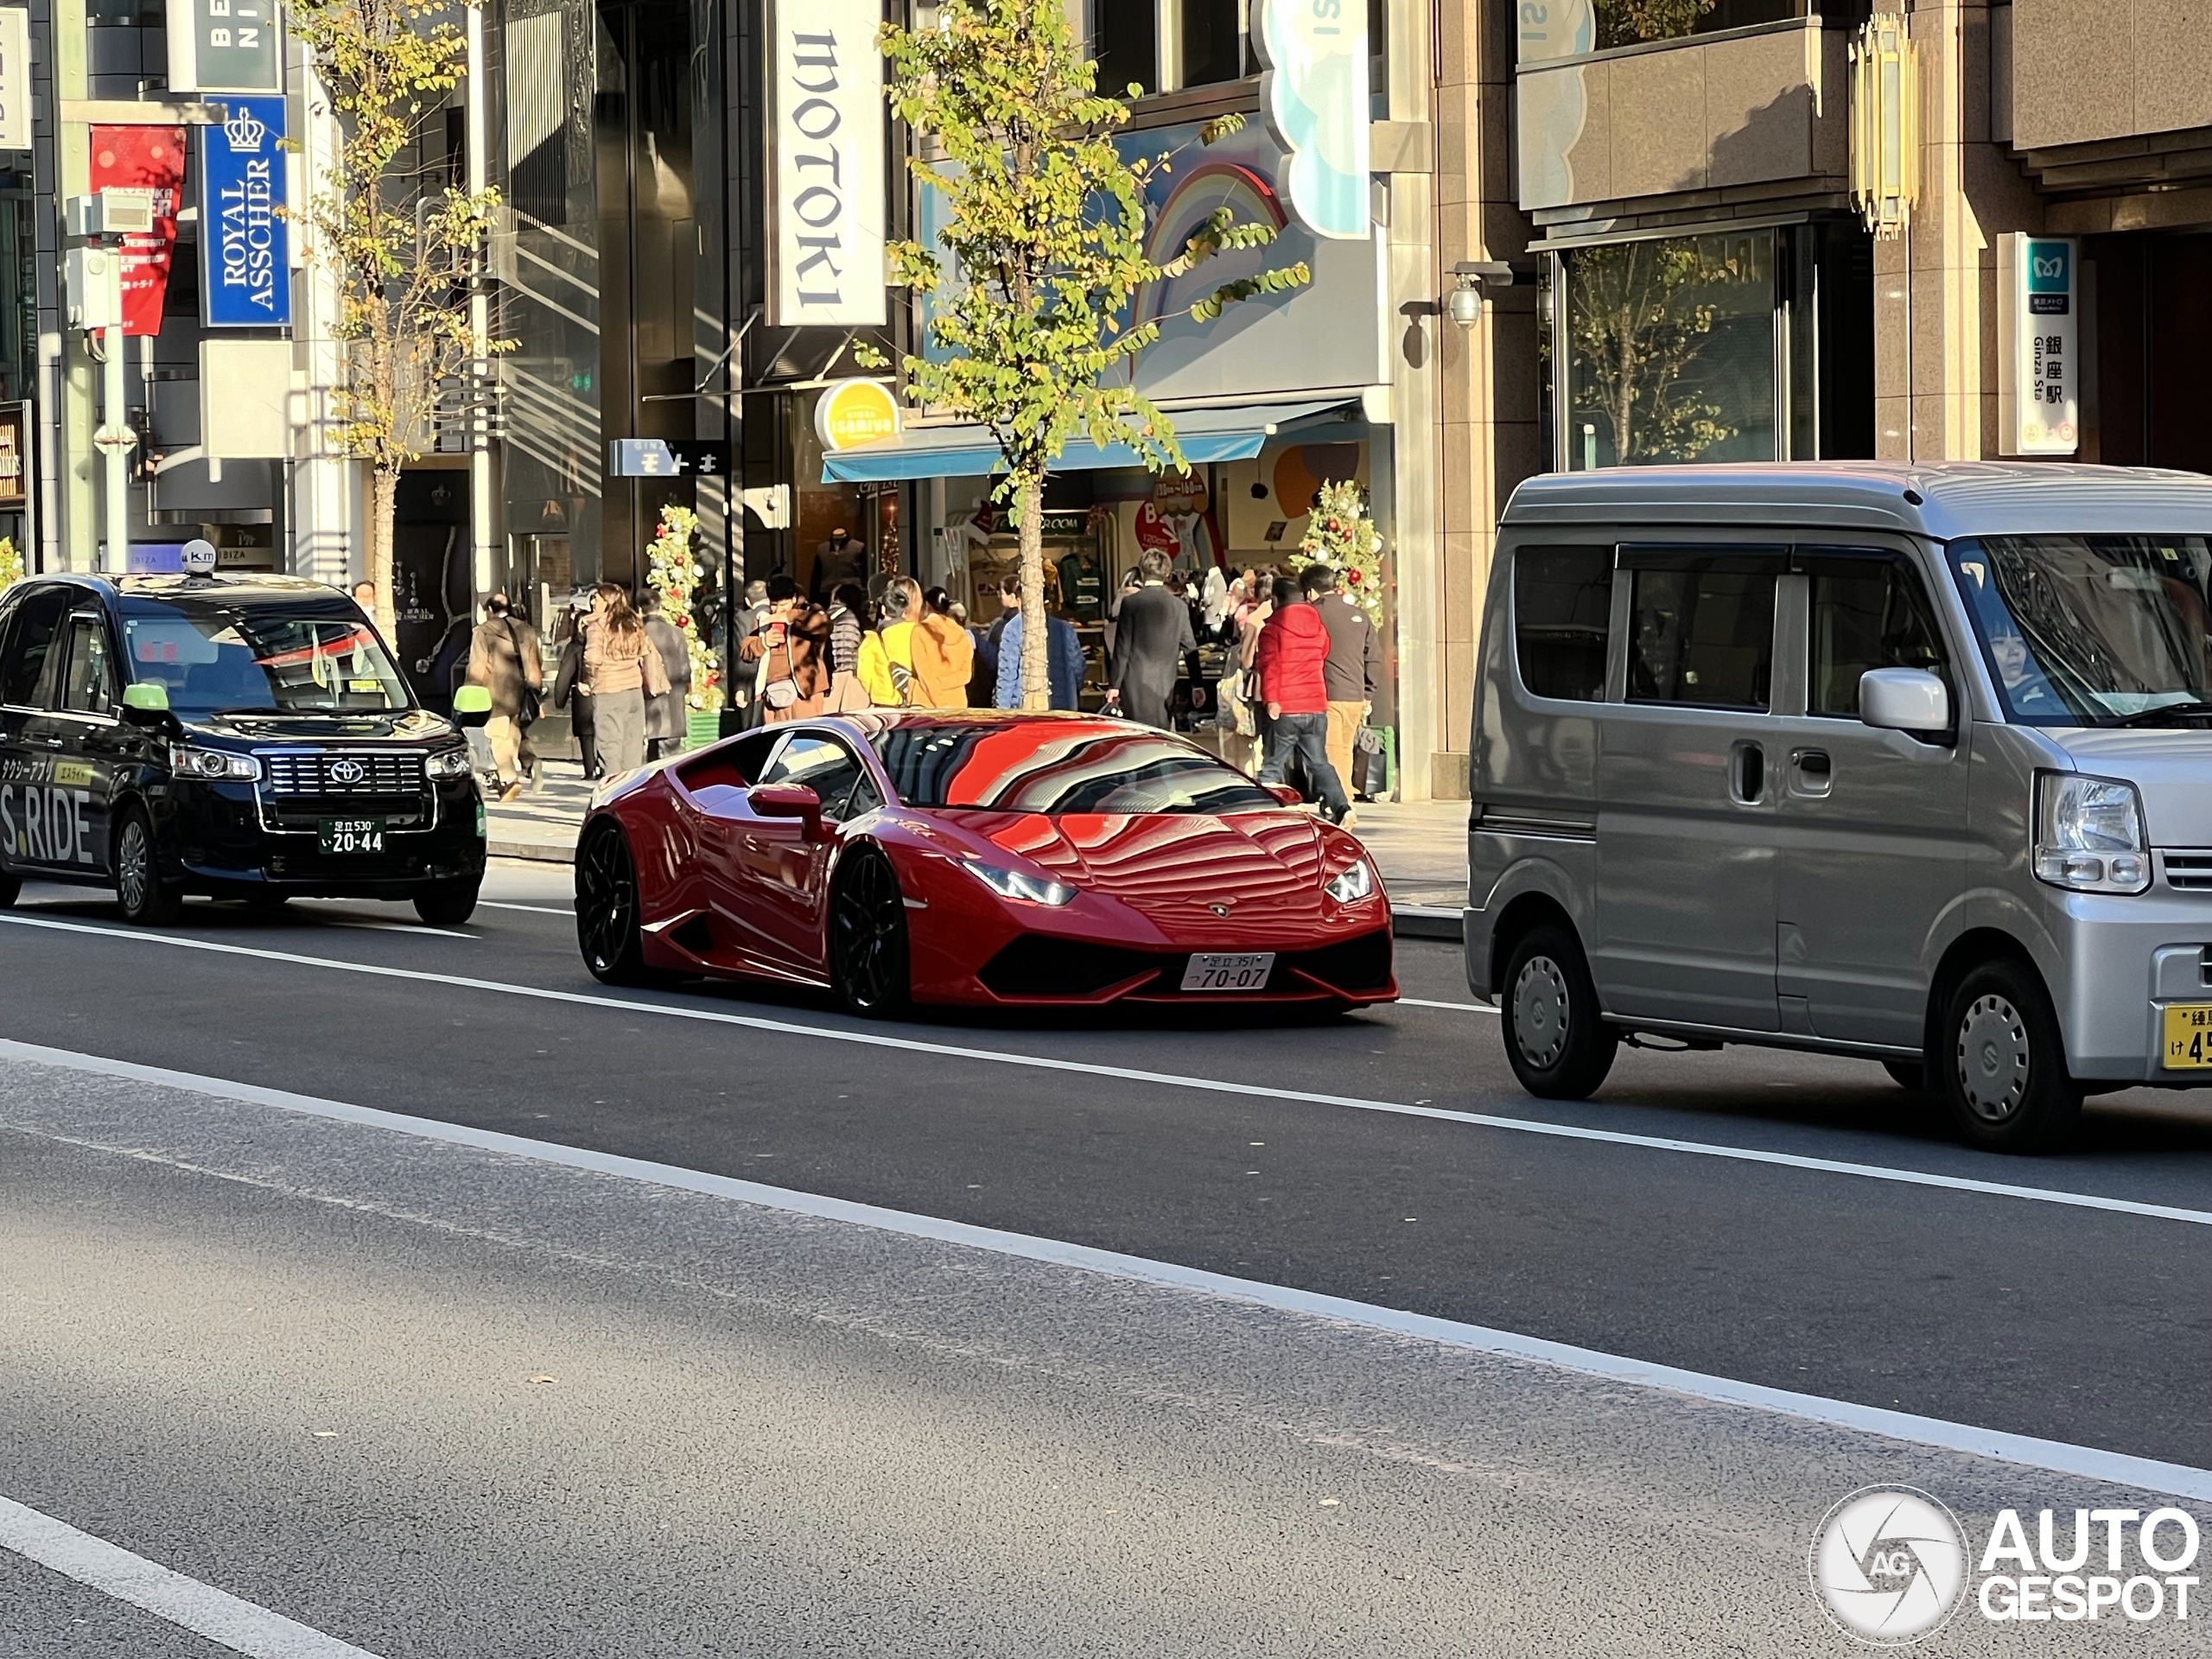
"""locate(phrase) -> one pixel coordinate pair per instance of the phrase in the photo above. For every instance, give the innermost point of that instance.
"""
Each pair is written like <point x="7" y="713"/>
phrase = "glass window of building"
<point x="1635" y="23"/>
<point x="1162" y="45"/>
<point x="1670" y="348"/>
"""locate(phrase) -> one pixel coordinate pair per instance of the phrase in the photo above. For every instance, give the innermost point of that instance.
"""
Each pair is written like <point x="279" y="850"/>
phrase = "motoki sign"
<point x="245" y="278"/>
<point x="2039" y="367"/>
<point x="826" y="222"/>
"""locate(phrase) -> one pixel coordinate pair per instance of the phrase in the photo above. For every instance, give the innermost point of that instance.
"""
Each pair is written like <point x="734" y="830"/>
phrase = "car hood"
<point x="1168" y="867"/>
<point x="399" y="726"/>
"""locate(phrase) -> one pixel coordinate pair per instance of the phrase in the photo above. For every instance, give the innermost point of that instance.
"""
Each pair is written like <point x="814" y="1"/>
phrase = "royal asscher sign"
<point x="827" y="132"/>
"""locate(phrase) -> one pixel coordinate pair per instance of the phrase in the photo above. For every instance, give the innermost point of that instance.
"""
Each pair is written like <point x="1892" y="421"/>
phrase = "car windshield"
<point x="1075" y="766"/>
<point x="2093" y="630"/>
<point x="234" y="659"/>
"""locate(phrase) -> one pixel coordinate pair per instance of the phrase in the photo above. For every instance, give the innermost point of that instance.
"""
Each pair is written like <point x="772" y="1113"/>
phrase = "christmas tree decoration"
<point x="1340" y="535"/>
<point x="11" y="564"/>
<point x="675" y="576"/>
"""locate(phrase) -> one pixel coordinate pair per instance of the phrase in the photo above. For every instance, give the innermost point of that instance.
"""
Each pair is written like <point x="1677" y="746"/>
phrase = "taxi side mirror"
<point x="472" y="705"/>
<point x="146" y="703"/>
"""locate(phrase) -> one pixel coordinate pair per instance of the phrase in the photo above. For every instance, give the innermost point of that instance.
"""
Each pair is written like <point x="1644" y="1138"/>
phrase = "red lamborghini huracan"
<point x="986" y="859"/>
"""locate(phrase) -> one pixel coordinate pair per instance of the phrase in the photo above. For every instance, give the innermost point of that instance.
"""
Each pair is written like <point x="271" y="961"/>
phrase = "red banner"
<point x="144" y="158"/>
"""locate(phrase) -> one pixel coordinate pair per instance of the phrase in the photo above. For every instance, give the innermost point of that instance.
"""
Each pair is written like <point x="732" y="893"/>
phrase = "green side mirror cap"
<point x="149" y="696"/>
<point x="471" y="700"/>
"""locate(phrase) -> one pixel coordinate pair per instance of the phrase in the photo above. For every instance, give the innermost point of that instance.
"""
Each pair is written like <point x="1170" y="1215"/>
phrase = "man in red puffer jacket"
<point x="1292" y="652"/>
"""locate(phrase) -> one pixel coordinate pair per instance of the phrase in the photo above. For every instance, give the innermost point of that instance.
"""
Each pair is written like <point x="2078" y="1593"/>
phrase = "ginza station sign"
<point x="827" y="132"/>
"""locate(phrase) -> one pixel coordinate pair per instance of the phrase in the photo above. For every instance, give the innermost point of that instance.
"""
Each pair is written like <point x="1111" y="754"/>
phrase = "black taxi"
<point x="242" y="736"/>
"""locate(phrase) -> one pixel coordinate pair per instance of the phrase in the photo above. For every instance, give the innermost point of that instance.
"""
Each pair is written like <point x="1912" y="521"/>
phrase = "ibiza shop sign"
<point x="245" y="279"/>
<point x="827" y="131"/>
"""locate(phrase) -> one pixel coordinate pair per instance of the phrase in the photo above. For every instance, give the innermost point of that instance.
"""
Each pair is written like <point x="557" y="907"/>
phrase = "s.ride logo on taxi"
<point x="50" y="822"/>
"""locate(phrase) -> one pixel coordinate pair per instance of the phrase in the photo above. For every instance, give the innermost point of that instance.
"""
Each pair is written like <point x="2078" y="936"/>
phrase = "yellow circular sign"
<point x="853" y="413"/>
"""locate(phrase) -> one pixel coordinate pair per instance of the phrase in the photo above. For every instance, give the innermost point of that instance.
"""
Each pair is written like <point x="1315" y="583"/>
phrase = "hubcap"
<point x="869" y="920"/>
<point x="1994" y="1058"/>
<point x="608" y="912"/>
<point x="1539" y="1012"/>
<point x="131" y="871"/>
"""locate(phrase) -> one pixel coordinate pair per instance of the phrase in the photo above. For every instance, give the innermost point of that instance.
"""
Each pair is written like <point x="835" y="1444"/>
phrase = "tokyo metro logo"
<point x="1889" y="1563"/>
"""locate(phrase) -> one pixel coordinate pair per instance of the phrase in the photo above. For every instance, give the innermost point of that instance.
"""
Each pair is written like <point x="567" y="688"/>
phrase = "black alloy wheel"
<point x="446" y="905"/>
<point x="607" y="908"/>
<point x="2004" y="1062"/>
<point x="1909" y="1074"/>
<point x="1556" y="1041"/>
<point x="867" y="935"/>
<point x="146" y="900"/>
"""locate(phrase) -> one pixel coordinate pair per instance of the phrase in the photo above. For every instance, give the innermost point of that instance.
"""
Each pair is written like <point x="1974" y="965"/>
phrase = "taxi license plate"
<point x="2188" y="1037"/>
<point x="343" y="835"/>
<point x="1236" y="971"/>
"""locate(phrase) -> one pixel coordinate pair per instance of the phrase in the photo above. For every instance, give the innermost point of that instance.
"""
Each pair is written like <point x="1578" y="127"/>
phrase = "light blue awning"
<point x="1232" y="434"/>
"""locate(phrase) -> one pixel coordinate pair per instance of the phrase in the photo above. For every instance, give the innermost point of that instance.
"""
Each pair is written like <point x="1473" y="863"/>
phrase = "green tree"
<point x="1046" y="231"/>
<point x="400" y="243"/>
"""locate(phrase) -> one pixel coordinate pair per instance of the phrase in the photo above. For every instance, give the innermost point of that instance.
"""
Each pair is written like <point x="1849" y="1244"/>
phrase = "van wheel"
<point x="1558" y="1045"/>
<point x="2004" y="1063"/>
<point x="1909" y="1074"/>
<point x="146" y="900"/>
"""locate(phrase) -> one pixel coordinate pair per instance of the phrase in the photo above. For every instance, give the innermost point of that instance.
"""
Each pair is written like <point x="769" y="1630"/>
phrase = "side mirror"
<point x="787" y="801"/>
<point x="472" y="705"/>
<point x="1904" y="700"/>
<point x="146" y="702"/>
<point x="1284" y="793"/>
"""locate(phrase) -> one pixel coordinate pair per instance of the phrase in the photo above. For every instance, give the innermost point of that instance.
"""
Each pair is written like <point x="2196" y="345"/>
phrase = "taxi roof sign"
<point x="200" y="558"/>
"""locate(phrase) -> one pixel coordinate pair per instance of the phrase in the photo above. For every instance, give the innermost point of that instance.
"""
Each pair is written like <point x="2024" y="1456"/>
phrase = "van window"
<point x="1703" y="637"/>
<point x="1562" y="613"/>
<point x="1866" y="613"/>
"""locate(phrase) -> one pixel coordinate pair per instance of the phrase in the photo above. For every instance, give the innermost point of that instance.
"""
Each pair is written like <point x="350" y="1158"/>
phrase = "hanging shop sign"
<point x="14" y="457"/>
<point x="1314" y="91"/>
<point x="854" y="413"/>
<point x="245" y="270"/>
<point x="668" y="458"/>
<point x="144" y="158"/>
<point x="14" y="78"/>
<point x="2039" y="370"/>
<point x="225" y="46"/>
<point x="826" y="240"/>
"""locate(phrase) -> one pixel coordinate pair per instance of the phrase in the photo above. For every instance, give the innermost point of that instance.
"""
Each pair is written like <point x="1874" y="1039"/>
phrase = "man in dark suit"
<point x="1152" y="641"/>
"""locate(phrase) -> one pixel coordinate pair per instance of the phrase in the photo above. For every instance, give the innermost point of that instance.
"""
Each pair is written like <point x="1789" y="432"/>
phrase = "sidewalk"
<point x="1421" y="847"/>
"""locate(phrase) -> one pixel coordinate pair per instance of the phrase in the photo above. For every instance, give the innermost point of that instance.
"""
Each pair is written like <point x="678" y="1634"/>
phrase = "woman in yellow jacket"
<point x="915" y="660"/>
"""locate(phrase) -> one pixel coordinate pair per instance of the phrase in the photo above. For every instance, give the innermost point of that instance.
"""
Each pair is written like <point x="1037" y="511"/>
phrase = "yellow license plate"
<point x="2188" y="1037"/>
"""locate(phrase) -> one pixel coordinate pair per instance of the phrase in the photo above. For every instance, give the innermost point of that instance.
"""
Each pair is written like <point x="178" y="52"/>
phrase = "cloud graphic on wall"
<point x="1316" y="95"/>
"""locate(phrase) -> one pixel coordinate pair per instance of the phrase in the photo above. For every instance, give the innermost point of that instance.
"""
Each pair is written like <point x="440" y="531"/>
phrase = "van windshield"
<point x="219" y="658"/>
<point x="2093" y="630"/>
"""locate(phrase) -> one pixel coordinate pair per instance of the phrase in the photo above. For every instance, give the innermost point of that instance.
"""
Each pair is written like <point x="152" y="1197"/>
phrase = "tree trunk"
<point x="385" y="507"/>
<point x="1036" y="639"/>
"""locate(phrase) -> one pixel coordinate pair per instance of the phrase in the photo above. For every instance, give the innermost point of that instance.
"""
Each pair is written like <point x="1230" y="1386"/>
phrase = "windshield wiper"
<point x="2194" y="708"/>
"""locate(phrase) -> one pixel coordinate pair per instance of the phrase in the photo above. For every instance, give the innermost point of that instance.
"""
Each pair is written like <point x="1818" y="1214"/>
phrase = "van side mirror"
<point x="472" y="705"/>
<point x="1904" y="700"/>
<point x="146" y="702"/>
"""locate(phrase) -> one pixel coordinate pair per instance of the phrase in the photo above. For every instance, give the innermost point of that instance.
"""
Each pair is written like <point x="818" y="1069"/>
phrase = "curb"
<point x="1427" y="922"/>
<point x="538" y="852"/>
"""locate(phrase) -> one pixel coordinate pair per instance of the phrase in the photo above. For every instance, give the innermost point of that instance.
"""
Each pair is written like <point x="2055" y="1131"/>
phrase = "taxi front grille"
<point x="2188" y="872"/>
<point x="346" y="775"/>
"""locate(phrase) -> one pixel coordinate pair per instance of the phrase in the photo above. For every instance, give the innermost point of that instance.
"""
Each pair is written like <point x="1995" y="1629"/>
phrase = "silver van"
<point x="1913" y="763"/>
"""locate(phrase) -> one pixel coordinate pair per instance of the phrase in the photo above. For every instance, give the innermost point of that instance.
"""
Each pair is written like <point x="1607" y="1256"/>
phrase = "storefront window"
<point x="1670" y="348"/>
<point x="1631" y="22"/>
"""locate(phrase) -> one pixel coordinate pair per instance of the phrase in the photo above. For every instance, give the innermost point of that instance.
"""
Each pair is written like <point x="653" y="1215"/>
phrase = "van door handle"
<point x="1814" y="769"/>
<point x="1747" y="772"/>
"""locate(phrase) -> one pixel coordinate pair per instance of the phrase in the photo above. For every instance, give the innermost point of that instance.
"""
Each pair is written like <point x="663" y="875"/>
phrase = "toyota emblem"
<point x="347" y="771"/>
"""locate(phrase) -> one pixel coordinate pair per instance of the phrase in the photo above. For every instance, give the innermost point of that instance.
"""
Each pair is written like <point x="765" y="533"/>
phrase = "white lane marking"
<point x="394" y="927"/>
<point x="1164" y="1079"/>
<point x="1457" y="1007"/>
<point x="241" y="1626"/>
<point x="2063" y="1457"/>
<point x="535" y="909"/>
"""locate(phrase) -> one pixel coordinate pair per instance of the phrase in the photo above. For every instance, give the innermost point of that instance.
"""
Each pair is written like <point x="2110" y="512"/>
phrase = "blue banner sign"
<point x="244" y="255"/>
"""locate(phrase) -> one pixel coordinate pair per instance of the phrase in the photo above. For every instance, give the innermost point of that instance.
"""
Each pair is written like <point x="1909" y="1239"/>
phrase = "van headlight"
<point x="186" y="762"/>
<point x="1014" y="884"/>
<point x="1349" y="887"/>
<point x="447" y="763"/>
<point x="2090" y="834"/>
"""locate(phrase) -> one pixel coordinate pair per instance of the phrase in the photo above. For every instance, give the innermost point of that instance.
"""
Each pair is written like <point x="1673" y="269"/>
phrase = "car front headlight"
<point x="1349" y="887"/>
<point x="2090" y="834"/>
<point x="186" y="762"/>
<point x="1013" y="883"/>
<point x="449" y="763"/>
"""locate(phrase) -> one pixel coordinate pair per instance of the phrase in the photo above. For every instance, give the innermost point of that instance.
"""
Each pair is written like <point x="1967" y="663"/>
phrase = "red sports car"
<point x="993" y="859"/>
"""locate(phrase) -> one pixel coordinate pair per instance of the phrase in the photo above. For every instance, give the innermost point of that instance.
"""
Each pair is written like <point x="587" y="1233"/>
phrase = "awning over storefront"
<point x="1232" y="434"/>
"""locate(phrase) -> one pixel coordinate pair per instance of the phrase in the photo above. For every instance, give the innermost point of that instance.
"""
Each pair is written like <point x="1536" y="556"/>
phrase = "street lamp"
<point x="94" y="274"/>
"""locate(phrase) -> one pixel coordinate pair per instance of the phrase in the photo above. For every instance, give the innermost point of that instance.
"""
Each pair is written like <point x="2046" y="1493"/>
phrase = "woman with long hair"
<point x="917" y="657"/>
<point x="618" y="660"/>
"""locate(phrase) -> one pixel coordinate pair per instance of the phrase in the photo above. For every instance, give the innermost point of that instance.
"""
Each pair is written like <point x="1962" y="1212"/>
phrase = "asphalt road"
<point x="776" y="1432"/>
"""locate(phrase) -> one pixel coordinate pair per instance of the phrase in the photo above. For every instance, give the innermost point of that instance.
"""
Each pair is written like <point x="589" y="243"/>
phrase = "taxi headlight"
<point x="449" y="763"/>
<point x="2090" y="834"/>
<point x="1349" y="887"/>
<point x="186" y="762"/>
<point x="1013" y="883"/>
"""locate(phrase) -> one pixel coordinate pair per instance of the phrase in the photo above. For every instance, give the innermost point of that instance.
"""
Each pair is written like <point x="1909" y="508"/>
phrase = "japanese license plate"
<point x="343" y="835"/>
<point x="2188" y="1037"/>
<point x="1232" y="971"/>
